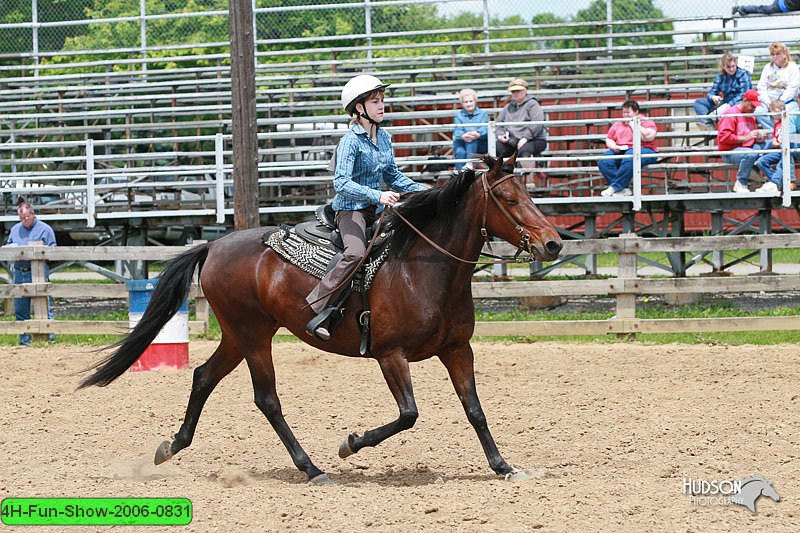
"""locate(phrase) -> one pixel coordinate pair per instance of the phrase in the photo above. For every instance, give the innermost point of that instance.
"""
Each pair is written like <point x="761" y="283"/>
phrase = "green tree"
<point x="634" y="10"/>
<point x="20" y="40"/>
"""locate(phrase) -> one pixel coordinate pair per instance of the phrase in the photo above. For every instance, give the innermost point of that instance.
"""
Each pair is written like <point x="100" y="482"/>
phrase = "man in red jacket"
<point x="741" y="136"/>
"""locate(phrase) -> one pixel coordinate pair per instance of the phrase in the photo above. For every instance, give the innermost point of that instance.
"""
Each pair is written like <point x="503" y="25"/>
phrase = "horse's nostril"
<point x="553" y="247"/>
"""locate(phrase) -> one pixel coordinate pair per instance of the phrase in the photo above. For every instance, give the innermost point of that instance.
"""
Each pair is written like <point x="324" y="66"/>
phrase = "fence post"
<point x="491" y="138"/>
<point x="637" y="163"/>
<point x="626" y="302"/>
<point x="787" y="164"/>
<point x="717" y="228"/>
<point x="765" y="254"/>
<point x="219" y="162"/>
<point x="143" y="34"/>
<point x="38" y="277"/>
<point x="368" y="30"/>
<point x="90" y="207"/>
<point x="486" y="21"/>
<point x="35" y="36"/>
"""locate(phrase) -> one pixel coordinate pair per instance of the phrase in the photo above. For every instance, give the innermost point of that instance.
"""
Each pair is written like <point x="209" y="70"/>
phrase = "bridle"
<point x="488" y="192"/>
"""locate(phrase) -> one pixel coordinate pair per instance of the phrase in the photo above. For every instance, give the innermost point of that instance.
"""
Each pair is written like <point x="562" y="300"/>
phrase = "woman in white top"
<point x="780" y="80"/>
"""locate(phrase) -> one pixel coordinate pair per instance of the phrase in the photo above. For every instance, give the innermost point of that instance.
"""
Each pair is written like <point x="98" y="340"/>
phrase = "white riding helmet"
<point x="359" y="86"/>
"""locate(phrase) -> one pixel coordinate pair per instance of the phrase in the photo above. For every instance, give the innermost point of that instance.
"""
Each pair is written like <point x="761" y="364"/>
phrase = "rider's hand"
<point x="389" y="198"/>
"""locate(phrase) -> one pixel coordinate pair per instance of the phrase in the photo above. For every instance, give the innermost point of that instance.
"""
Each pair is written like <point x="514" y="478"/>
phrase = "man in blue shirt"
<point x="27" y="230"/>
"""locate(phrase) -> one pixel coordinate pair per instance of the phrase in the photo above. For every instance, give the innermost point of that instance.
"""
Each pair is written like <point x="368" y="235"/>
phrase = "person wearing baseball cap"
<point x="740" y="136"/>
<point x="529" y="140"/>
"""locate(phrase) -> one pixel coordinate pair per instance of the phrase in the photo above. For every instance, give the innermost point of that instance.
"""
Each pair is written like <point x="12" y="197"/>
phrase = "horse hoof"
<point x="345" y="448"/>
<point x="516" y="475"/>
<point x="321" y="479"/>
<point x="163" y="453"/>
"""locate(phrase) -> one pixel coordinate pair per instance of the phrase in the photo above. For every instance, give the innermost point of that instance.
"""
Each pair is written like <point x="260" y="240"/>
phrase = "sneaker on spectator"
<point x="706" y="125"/>
<point x="740" y="187"/>
<point x="624" y="192"/>
<point x="608" y="192"/>
<point x="769" y="188"/>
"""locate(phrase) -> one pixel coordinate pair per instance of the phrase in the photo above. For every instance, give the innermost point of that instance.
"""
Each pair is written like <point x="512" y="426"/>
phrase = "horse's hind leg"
<point x="206" y="377"/>
<point x="262" y="373"/>
<point x="459" y="364"/>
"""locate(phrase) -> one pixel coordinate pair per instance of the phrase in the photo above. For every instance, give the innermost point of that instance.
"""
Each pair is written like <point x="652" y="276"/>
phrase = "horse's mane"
<point x="434" y="208"/>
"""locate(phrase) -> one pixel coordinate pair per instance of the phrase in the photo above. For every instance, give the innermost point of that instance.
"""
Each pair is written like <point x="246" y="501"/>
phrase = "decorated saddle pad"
<point x="314" y="258"/>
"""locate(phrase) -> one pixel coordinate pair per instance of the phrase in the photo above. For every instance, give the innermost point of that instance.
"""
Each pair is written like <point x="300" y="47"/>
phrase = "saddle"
<point x="323" y="231"/>
<point x="316" y="247"/>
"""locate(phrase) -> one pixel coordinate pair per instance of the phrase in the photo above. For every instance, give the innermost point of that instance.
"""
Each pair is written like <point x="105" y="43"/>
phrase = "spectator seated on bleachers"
<point x="730" y="84"/>
<point x="469" y="138"/>
<point x="766" y="162"/>
<point x="780" y="80"/>
<point x="777" y="6"/>
<point x="742" y="136"/>
<point x="529" y="140"/>
<point x="618" y="173"/>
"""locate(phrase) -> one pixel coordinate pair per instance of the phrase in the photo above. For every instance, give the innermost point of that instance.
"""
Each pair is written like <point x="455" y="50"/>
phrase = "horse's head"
<point x="769" y="491"/>
<point x="510" y="214"/>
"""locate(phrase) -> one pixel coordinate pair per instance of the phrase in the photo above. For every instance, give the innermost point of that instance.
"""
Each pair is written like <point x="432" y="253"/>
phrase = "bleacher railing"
<point x="190" y="176"/>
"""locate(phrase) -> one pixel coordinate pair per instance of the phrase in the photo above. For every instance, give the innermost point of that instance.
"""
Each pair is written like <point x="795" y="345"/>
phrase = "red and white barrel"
<point x="170" y="349"/>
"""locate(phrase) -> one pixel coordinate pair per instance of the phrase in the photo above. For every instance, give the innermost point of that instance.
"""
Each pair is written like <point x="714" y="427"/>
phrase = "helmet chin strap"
<point x="369" y="119"/>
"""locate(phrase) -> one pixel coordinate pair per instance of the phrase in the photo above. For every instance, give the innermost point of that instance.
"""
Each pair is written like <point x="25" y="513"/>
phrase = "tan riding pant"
<point x="353" y="227"/>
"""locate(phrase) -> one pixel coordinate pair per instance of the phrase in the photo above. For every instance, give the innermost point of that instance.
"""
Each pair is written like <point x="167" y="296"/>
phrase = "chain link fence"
<point x="42" y="28"/>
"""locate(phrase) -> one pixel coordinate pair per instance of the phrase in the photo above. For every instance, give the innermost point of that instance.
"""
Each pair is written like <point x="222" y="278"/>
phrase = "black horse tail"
<point x="169" y="294"/>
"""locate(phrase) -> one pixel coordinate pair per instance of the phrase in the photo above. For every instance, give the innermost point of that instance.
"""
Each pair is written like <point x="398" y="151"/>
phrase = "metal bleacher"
<point x="101" y="142"/>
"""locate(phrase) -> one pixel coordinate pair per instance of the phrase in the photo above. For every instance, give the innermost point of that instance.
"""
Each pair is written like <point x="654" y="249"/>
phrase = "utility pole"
<point x="243" y="111"/>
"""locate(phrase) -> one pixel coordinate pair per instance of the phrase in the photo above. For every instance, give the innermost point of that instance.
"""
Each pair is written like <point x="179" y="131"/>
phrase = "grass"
<point x="717" y="310"/>
<point x="779" y="255"/>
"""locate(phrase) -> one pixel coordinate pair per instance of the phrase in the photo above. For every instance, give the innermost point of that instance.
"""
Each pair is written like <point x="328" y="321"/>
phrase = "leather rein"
<point x="488" y="192"/>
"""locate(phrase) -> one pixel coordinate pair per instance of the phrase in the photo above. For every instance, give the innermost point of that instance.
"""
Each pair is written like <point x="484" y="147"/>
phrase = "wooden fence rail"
<point x="625" y="287"/>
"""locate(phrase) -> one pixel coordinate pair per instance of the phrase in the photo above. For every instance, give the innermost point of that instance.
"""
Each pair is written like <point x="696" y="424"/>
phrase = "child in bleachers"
<point x="766" y="162"/>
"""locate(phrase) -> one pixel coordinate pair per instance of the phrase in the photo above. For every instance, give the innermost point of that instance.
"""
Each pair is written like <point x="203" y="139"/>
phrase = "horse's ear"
<point x="511" y="160"/>
<point x="496" y="165"/>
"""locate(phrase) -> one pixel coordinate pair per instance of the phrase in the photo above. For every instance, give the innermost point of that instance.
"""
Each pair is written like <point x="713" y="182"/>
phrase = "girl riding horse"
<point x="364" y="158"/>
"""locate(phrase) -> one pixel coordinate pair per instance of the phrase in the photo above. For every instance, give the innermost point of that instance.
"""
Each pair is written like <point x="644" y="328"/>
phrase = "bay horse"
<point x="254" y="291"/>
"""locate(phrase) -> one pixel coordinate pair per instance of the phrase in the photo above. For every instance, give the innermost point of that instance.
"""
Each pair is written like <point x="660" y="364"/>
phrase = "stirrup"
<point x="315" y="328"/>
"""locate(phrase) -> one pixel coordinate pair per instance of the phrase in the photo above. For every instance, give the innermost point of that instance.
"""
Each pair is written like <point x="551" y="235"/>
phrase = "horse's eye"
<point x="512" y="202"/>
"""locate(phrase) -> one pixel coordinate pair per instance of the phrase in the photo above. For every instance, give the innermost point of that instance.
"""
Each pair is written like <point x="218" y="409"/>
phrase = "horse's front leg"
<point x="459" y="364"/>
<point x="398" y="377"/>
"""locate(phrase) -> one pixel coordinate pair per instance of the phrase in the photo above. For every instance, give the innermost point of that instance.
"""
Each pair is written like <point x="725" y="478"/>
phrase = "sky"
<point x="565" y="8"/>
<point x="670" y="8"/>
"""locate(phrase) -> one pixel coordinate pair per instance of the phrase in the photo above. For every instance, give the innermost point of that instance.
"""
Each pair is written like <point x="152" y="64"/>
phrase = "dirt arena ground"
<point x="607" y="432"/>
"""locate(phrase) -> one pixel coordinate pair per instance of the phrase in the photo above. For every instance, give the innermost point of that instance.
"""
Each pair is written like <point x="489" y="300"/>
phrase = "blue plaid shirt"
<point x="360" y="168"/>
<point x="731" y="87"/>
